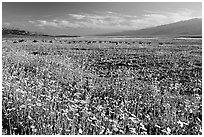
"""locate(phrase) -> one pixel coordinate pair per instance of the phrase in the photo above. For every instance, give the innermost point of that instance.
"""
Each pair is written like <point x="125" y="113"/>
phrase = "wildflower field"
<point x="86" y="86"/>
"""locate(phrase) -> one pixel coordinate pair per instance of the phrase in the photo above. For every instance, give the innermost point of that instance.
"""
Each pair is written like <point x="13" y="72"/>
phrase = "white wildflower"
<point x="180" y="123"/>
<point x="80" y="131"/>
<point x="168" y="130"/>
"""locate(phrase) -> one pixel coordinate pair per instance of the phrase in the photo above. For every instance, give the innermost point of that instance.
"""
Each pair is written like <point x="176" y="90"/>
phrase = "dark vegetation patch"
<point x="21" y="40"/>
<point x="35" y="41"/>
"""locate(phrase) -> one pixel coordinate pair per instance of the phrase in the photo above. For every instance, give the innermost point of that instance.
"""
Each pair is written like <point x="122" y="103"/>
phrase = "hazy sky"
<point x="84" y="18"/>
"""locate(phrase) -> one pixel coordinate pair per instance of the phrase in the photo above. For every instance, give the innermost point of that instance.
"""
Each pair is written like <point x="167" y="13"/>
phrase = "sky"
<point x="89" y="18"/>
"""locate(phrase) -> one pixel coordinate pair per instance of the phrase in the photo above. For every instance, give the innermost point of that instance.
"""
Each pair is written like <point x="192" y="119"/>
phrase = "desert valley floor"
<point x="106" y="86"/>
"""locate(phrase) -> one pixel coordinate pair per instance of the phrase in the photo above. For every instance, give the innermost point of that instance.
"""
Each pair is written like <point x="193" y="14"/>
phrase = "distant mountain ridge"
<point x="16" y="32"/>
<point x="181" y="28"/>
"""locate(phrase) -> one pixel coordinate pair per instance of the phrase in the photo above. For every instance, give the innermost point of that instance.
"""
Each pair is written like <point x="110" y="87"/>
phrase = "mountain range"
<point x="186" y="28"/>
<point x="192" y="27"/>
